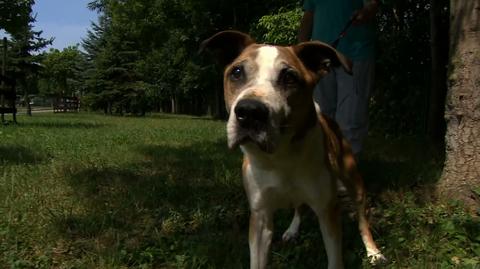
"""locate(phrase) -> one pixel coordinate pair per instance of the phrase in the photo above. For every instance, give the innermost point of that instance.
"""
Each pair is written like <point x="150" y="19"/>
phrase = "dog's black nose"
<point x="251" y="113"/>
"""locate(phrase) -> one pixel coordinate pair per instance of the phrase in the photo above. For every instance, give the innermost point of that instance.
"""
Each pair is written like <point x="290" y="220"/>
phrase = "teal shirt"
<point x="331" y="16"/>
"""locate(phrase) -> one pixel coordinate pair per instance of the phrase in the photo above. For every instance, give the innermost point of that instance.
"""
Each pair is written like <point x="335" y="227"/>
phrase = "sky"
<point x="65" y="20"/>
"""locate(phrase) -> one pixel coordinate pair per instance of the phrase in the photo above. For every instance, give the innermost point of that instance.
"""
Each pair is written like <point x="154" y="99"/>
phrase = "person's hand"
<point x="365" y="14"/>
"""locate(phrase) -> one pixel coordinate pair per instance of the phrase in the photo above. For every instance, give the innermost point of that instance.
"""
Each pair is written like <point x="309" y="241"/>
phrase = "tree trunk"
<point x="27" y="101"/>
<point x="172" y="103"/>
<point x="219" y="111"/>
<point x="2" y="86"/>
<point x="26" y="98"/>
<point x="461" y="173"/>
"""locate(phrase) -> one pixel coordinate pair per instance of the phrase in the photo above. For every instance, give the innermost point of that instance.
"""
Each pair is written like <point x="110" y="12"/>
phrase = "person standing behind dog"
<point x="342" y="96"/>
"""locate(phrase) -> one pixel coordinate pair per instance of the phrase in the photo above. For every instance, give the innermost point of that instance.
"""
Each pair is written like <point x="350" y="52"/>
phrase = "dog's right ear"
<point x="227" y="45"/>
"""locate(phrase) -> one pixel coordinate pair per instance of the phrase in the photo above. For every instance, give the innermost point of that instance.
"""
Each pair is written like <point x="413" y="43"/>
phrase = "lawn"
<point x="92" y="191"/>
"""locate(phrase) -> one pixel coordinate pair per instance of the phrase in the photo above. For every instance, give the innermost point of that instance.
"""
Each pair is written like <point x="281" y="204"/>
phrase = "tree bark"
<point x="461" y="173"/>
<point x="27" y="100"/>
<point x="26" y="97"/>
<point x="2" y="86"/>
<point x="173" y="105"/>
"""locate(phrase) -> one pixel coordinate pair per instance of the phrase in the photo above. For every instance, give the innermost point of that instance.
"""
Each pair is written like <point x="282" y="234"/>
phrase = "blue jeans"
<point x="345" y="98"/>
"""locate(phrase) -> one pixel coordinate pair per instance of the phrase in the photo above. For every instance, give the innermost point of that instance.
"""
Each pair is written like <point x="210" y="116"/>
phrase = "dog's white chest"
<point x="288" y="184"/>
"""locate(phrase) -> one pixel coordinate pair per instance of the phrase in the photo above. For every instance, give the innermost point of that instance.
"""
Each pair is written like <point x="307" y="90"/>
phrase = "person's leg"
<point x="352" y="102"/>
<point x="325" y="94"/>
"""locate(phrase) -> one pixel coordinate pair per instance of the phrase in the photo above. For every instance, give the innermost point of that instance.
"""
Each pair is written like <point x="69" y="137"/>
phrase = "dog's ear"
<point x="320" y="57"/>
<point x="227" y="45"/>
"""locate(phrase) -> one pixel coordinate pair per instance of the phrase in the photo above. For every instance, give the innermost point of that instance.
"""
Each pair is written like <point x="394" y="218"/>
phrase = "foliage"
<point x="154" y="43"/>
<point x="22" y="61"/>
<point x="164" y="192"/>
<point x="403" y="72"/>
<point x="142" y="56"/>
<point x="61" y="72"/>
<point x="22" y="53"/>
<point x="14" y="15"/>
<point x="280" y="28"/>
<point x="436" y="234"/>
<point x="147" y="50"/>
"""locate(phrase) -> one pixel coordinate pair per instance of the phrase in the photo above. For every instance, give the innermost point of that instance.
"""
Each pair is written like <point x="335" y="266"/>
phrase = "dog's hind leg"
<point x="354" y="184"/>
<point x="292" y="232"/>
<point x="373" y="253"/>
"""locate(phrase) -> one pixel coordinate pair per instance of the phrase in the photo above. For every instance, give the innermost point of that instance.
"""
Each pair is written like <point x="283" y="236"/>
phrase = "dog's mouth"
<point x="261" y="138"/>
<point x="252" y="122"/>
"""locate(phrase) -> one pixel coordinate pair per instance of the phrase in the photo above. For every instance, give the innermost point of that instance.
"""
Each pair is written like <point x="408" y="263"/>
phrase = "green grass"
<point x="90" y="191"/>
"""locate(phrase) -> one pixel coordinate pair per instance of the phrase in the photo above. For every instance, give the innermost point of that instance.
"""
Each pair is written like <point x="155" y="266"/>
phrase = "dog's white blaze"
<point x="267" y="61"/>
<point x="266" y="64"/>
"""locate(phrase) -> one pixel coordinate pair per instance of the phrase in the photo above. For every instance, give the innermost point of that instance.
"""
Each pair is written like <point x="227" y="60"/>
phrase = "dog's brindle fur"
<point x="294" y="157"/>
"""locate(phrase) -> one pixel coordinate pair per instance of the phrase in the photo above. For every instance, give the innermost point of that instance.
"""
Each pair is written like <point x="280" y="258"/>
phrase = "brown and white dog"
<point x="293" y="155"/>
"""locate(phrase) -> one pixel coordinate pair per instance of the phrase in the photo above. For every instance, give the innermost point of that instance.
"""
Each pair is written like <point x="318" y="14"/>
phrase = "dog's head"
<point x="268" y="89"/>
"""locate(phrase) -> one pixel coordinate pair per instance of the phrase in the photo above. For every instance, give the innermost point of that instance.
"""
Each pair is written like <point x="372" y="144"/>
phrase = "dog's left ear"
<point x="320" y="57"/>
<point x="227" y="45"/>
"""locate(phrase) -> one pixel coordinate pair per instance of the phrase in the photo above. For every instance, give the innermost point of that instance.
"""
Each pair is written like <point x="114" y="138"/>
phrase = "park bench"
<point x="66" y="104"/>
<point x="8" y="96"/>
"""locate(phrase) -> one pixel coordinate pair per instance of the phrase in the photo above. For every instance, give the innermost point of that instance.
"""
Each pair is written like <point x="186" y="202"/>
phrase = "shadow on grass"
<point x="381" y="175"/>
<point x="15" y="154"/>
<point x="176" y="203"/>
<point x="63" y="125"/>
<point x="400" y="164"/>
<point x="178" y="117"/>
<point x="184" y="206"/>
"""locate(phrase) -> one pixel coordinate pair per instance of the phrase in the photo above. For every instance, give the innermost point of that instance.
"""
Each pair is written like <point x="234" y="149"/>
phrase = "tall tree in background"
<point x="61" y="72"/>
<point x="16" y="18"/>
<point x="461" y="174"/>
<point x="24" y="59"/>
<point x="114" y="47"/>
<point x="144" y="53"/>
<point x="95" y="79"/>
<point x="14" y="15"/>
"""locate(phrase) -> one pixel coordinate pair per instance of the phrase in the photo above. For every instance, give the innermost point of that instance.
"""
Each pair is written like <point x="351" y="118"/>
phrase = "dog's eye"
<point x="288" y="76"/>
<point x="237" y="73"/>
<point x="325" y="63"/>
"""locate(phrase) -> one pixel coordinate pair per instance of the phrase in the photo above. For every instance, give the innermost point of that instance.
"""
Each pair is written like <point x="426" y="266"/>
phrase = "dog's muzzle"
<point x="251" y="114"/>
<point x="251" y="123"/>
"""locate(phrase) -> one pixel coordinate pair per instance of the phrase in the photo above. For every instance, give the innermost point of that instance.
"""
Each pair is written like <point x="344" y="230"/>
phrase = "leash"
<point x="343" y="33"/>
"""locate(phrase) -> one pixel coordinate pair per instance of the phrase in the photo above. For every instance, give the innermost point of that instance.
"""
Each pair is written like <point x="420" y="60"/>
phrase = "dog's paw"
<point x="377" y="259"/>
<point x="290" y="236"/>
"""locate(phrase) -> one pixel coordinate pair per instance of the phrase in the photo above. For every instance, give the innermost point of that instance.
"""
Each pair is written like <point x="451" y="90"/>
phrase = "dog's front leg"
<point x="329" y="219"/>
<point x="260" y="238"/>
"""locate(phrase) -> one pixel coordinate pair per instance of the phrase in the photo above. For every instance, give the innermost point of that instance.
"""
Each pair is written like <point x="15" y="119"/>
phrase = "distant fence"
<point x="66" y="104"/>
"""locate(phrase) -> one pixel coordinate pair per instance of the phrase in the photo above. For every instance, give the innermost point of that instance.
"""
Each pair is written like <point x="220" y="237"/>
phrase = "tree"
<point x="14" y="15"/>
<point x="24" y="62"/>
<point x="94" y="74"/>
<point x="61" y="72"/>
<point x="280" y="28"/>
<point x="461" y="173"/>
<point x="114" y="47"/>
<point x="144" y="53"/>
